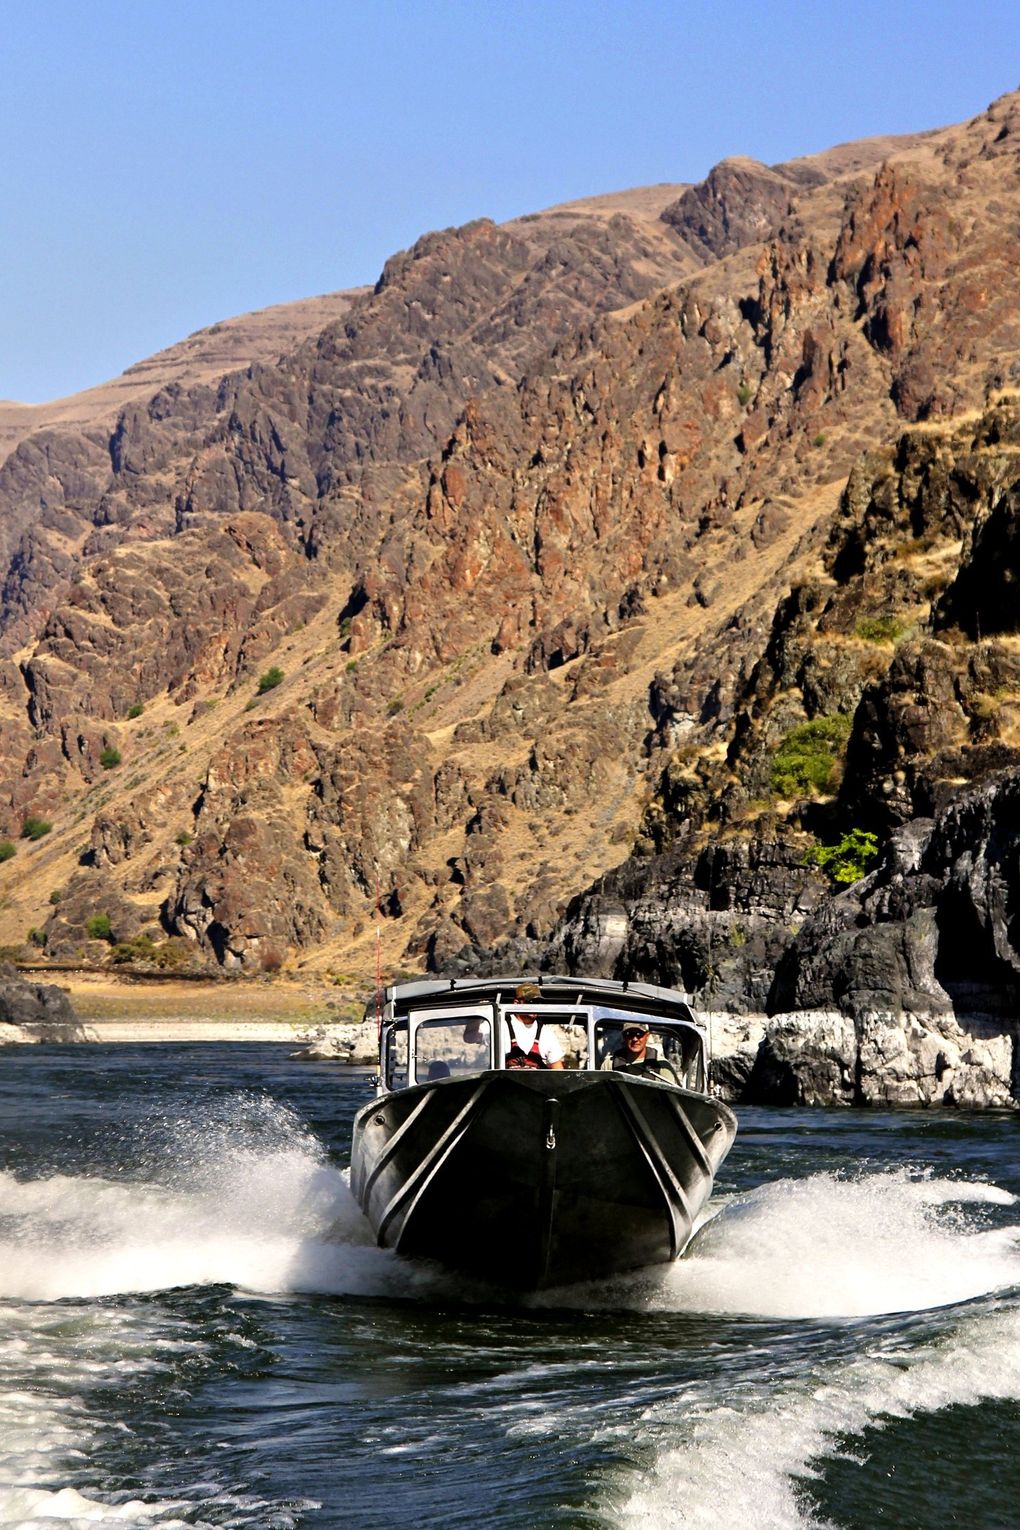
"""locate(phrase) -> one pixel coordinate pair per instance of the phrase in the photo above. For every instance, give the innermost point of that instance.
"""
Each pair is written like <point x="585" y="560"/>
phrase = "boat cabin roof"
<point x="452" y="993"/>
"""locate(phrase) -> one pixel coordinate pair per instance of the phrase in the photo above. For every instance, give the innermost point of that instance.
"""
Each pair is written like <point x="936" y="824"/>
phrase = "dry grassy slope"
<point x="168" y="757"/>
<point x="544" y="774"/>
<point x="203" y="357"/>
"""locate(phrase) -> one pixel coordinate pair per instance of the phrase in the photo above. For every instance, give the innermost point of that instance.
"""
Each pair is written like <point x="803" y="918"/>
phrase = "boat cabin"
<point x="443" y="1029"/>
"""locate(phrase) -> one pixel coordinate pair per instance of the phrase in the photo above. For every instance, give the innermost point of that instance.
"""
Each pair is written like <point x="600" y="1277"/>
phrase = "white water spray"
<point x="221" y="1204"/>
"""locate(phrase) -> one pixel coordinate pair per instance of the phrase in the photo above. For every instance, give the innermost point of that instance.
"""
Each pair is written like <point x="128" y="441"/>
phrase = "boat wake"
<point x="826" y="1247"/>
<point x="746" y="1462"/>
<point x="249" y="1201"/>
<point x="829" y="1247"/>
<point x="252" y="1201"/>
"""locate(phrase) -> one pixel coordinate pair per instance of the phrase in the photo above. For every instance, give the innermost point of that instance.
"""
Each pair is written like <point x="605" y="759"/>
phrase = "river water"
<point x="196" y="1328"/>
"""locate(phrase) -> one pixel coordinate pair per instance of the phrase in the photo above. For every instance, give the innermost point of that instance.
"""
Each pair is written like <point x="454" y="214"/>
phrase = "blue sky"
<point x="169" y="163"/>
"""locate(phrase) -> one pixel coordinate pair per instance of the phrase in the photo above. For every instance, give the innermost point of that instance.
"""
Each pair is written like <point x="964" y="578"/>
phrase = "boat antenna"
<point x="709" y="1060"/>
<point x="378" y="957"/>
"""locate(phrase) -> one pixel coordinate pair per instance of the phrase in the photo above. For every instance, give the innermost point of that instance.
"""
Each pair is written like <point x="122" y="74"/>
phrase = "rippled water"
<point x="197" y="1329"/>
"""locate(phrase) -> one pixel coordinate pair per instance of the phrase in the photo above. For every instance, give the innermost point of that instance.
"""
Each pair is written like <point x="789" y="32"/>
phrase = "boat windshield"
<point x="570" y="1027"/>
<point x="675" y="1051"/>
<point x="447" y="1046"/>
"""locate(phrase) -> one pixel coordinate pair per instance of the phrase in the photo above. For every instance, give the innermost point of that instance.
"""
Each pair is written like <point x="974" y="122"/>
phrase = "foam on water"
<point x="832" y="1247"/>
<point x="249" y="1200"/>
<point x="49" y="1359"/>
<point x="739" y="1462"/>
<point x="828" y="1247"/>
<point x="252" y="1201"/>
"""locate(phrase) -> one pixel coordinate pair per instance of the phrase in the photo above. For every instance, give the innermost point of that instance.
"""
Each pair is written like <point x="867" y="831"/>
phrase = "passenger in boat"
<point x="526" y="1042"/>
<point x="636" y="1056"/>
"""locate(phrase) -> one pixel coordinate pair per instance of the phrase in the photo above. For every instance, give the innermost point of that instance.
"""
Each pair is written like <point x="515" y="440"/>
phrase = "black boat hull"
<point x="536" y="1178"/>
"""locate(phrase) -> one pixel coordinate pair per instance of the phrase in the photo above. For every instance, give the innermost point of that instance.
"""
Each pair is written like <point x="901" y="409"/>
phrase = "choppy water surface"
<point x="196" y="1328"/>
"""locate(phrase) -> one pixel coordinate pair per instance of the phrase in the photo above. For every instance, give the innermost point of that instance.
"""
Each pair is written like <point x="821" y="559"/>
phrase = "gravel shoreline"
<point x="308" y="1015"/>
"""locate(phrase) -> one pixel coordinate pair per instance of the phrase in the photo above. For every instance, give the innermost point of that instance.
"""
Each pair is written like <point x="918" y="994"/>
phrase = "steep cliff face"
<point x="903" y="987"/>
<point x="533" y="557"/>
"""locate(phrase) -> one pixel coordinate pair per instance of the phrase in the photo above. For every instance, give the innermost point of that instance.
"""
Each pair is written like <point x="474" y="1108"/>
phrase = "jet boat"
<point x="534" y="1176"/>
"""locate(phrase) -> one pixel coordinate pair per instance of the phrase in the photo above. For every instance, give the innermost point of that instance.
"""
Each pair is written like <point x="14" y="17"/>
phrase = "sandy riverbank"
<point x="112" y="1008"/>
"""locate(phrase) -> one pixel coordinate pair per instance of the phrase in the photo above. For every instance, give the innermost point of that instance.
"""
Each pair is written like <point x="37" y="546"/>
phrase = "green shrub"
<point x="184" y="837"/>
<point x="819" y="440"/>
<point x="56" y="895"/>
<point x="174" y="952"/>
<point x="136" y="710"/>
<point x="351" y="666"/>
<point x="7" y="849"/>
<point x="110" y="758"/>
<point x="35" y="828"/>
<point x="807" y="759"/>
<point x="36" y="937"/>
<point x="745" y="393"/>
<point x="99" y="927"/>
<point x="845" y="862"/>
<point x="270" y="680"/>
<point x="141" y="948"/>
<point x="395" y="706"/>
<point x="881" y="629"/>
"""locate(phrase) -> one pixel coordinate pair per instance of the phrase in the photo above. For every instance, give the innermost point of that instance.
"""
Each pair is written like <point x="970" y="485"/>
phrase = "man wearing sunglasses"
<point x="636" y="1056"/>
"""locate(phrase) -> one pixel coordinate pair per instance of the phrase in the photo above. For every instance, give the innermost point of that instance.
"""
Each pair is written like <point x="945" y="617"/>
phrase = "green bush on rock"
<point x="846" y="861"/>
<point x="808" y="757"/>
<point x="270" y="680"/>
<point x="881" y="629"/>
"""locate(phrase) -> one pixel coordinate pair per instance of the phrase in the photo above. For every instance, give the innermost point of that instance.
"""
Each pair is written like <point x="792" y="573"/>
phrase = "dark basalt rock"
<point x="715" y="927"/>
<point x="983" y="599"/>
<point x="739" y="202"/>
<point x="904" y="989"/>
<point x="42" y="1010"/>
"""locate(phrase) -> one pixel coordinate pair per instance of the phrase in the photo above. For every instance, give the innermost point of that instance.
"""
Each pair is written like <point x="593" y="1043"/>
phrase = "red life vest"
<point x="517" y="1057"/>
